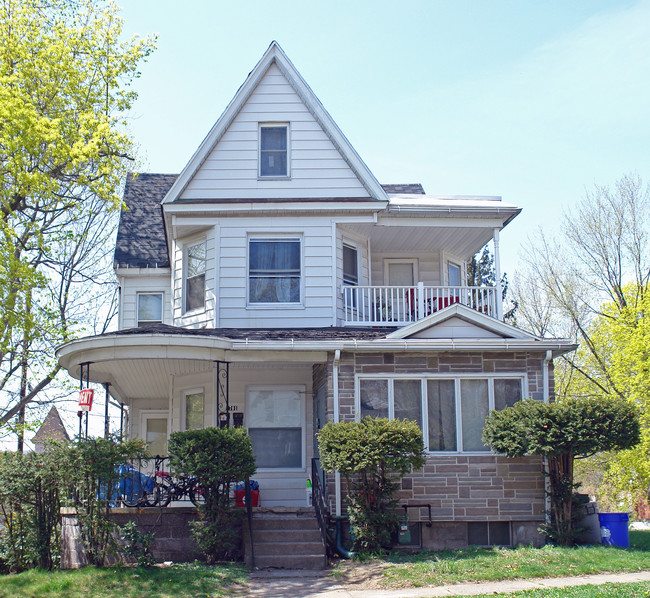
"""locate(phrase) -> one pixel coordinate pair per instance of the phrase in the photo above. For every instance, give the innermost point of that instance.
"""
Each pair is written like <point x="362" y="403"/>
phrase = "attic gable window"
<point x="274" y="151"/>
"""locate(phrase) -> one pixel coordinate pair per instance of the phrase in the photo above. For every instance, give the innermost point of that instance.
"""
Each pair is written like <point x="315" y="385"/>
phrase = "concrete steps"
<point x="286" y="538"/>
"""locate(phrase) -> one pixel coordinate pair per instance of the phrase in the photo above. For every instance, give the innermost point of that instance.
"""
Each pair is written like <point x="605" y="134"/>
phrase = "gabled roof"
<point x="482" y="322"/>
<point x="52" y="428"/>
<point x="275" y="55"/>
<point x="141" y="241"/>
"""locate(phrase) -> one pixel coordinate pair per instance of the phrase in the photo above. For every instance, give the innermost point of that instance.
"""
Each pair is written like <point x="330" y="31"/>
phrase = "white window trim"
<point x="300" y="389"/>
<point x="445" y="259"/>
<point x="390" y="260"/>
<point x="523" y="377"/>
<point x="185" y="247"/>
<point x="276" y="236"/>
<point x="162" y="307"/>
<point x="191" y="391"/>
<point x="357" y="248"/>
<point x="260" y="176"/>
<point x="146" y="414"/>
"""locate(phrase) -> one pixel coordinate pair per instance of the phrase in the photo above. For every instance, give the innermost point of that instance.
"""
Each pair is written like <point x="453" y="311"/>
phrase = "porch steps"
<point x="286" y="538"/>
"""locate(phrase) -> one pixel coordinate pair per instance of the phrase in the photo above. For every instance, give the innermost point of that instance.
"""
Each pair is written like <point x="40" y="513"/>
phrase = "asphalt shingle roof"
<point x="141" y="241"/>
<point x="255" y="334"/>
<point x="407" y="188"/>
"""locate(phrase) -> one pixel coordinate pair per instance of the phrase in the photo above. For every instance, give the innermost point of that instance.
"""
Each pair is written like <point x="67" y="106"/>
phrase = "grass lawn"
<point x="493" y="564"/>
<point x="178" y="581"/>
<point x="610" y="590"/>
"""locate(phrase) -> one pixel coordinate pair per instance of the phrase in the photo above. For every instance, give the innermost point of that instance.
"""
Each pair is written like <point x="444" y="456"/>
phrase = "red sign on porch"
<point x="86" y="399"/>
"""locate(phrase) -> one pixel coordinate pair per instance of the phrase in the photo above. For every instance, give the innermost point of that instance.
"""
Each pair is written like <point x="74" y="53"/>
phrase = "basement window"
<point x="488" y="533"/>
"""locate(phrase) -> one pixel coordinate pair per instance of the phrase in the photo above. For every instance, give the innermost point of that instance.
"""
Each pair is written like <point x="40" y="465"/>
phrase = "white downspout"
<point x="335" y="389"/>
<point x="546" y="396"/>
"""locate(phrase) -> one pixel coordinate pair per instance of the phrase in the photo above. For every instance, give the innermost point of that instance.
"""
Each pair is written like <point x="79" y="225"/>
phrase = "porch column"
<point x="497" y="274"/>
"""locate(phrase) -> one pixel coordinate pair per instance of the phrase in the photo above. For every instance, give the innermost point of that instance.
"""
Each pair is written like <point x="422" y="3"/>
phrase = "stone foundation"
<point x="172" y="538"/>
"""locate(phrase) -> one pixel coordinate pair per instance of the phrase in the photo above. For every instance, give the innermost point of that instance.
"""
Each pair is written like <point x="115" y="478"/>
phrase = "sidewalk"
<point x="315" y="584"/>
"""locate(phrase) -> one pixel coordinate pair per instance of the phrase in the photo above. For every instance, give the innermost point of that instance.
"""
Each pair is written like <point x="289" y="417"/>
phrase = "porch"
<point x="402" y="305"/>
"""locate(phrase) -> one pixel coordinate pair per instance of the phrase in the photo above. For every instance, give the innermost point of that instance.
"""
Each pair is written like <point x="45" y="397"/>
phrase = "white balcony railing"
<point x="399" y="306"/>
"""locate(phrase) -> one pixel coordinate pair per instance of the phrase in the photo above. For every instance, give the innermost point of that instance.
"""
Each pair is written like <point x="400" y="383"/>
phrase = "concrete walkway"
<point x="317" y="584"/>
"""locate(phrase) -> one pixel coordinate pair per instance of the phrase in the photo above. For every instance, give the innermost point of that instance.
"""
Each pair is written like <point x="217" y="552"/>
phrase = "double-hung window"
<point x="450" y="410"/>
<point x="194" y="410"/>
<point x="274" y="150"/>
<point x="274" y="267"/>
<point x="150" y="307"/>
<point x="195" y="258"/>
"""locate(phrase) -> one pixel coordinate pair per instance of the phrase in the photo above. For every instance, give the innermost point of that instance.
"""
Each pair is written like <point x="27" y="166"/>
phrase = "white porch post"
<point x="497" y="274"/>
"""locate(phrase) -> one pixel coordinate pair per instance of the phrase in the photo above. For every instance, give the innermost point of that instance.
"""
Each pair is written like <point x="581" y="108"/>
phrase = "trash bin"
<point x="614" y="530"/>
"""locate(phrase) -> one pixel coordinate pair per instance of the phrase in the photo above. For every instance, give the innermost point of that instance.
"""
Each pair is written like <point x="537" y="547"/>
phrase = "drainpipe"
<point x="546" y="395"/>
<point x="335" y="385"/>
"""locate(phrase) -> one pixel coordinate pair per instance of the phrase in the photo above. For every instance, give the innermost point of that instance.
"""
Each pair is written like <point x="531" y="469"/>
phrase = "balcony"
<point x="400" y="306"/>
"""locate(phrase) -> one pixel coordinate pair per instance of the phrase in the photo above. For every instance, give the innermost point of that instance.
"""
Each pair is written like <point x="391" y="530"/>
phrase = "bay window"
<point x="450" y="410"/>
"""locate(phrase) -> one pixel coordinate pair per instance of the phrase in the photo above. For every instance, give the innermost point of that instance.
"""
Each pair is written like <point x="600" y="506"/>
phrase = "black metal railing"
<point x="318" y="499"/>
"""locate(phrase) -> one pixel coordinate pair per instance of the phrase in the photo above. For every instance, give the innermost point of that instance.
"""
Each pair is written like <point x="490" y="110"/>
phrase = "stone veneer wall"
<point x="172" y="539"/>
<point x="460" y="488"/>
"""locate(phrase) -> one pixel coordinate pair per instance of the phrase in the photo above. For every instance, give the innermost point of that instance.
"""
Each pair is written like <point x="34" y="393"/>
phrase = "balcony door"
<point x="400" y="273"/>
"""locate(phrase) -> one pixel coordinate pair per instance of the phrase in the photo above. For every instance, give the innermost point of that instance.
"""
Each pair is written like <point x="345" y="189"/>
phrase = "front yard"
<point x="395" y="570"/>
<point x="495" y="564"/>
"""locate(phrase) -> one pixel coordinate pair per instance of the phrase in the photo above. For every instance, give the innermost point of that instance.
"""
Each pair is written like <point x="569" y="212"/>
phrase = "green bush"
<point x="90" y="468"/>
<point x="217" y="458"/>
<point x="30" y="509"/>
<point x="562" y="432"/>
<point x="372" y="455"/>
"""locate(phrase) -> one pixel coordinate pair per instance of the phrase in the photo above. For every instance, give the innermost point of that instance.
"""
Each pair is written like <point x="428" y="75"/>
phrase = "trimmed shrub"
<point x="562" y="432"/>
<point x="217" y="458"/>
<point x="372" y="455"/>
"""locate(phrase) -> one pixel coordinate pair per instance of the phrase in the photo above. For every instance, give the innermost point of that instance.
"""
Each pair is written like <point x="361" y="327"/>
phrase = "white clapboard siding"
<point x="142" y="283"/>
<point x="207" y="316"/>
<point x="316" y="306"/>
<point x="316" y="166"/>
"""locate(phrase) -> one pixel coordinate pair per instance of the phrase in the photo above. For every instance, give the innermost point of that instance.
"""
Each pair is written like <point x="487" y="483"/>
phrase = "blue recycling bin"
<point x="614" y="530"/>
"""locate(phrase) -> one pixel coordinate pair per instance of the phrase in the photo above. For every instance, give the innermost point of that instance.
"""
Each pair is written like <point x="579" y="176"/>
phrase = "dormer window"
<point x="274" y="150"/>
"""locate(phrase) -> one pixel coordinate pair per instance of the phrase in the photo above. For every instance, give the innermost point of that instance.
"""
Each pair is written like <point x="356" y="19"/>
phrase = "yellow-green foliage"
<point x="65" y="87"/>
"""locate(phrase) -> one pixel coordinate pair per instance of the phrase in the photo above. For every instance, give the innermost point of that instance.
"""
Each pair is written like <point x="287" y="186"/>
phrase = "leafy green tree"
<point x="481" y="272"/>
<point x="562" y="432"/>
<point x="372" y="455"/>
<point x="217" y="458"/>
<point x="65" y="86"/>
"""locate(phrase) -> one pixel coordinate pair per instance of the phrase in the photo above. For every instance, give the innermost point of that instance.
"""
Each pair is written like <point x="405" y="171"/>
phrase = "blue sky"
<point x="534" y="101"/>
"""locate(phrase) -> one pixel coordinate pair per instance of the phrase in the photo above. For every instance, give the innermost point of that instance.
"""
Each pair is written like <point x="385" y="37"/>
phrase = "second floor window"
<point x="195" y="276"/>
<point x="149" y="308"/>
<point x="274" y="150"/>
<point x="274" y="271"/>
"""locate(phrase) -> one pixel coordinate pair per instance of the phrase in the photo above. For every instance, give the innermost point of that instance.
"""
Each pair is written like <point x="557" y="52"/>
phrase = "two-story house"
<point x="275" y="284"/>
